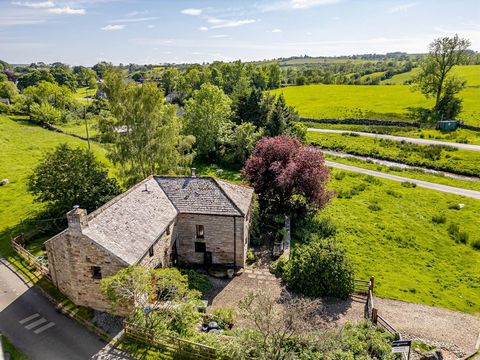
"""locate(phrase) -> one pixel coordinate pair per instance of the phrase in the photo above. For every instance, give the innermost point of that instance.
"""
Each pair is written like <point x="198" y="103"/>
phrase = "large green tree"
<point x="434" y="79"/>
<point x="146" y="133"/>
<point x="208" y="115"/>
<point x="67" y="177"/>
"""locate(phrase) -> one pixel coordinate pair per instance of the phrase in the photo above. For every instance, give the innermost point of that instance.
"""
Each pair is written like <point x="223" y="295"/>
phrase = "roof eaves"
<point x="228" y="197"/>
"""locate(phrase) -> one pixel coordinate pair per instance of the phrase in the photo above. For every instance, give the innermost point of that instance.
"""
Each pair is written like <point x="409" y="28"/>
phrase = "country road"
<point x="401" y="138"/>
<point x="425" y="184"/>
<point x="37" y="329"/>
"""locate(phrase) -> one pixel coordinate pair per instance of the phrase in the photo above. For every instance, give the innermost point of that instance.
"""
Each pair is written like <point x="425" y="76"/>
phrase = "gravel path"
<point x="425" y="184"/>
<point x="402" y="138"/>
<point x="444" y="328"/>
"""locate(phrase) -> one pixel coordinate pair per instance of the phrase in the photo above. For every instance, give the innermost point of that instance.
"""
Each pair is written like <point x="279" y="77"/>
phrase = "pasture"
<point x="374" y="101"/>
<point x="23" y="145"/>
<point x="470" y="73"/>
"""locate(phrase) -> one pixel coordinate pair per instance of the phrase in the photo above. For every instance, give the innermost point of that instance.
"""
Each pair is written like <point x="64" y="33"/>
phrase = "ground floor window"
<point x="200" y="247"/>
<point x="96" y="272"/>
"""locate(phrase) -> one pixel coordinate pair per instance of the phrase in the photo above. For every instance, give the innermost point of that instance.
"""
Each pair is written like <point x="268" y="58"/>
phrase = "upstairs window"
<point x="200" y="232"/>
<point x="96" y="272"/>
<point x="150" y="251"/>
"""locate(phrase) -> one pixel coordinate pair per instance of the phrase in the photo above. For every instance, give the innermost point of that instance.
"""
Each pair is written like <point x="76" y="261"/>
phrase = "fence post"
<point x="374" y="315"/>
<point x="372" y="282"/>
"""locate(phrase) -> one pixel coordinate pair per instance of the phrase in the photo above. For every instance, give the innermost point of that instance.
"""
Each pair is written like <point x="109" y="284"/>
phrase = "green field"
<point x="412" y="258"/>
<point x="370" y="101"/>
<point x="23" y="144"/>
<point x="470" y="73"/>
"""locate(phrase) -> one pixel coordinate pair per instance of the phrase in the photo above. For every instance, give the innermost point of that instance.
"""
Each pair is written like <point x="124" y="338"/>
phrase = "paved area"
<point x="451" y="329"/>
<point x="425" y="184"/>
<point x="38" y="330"/>
<point x="402" y="138"/>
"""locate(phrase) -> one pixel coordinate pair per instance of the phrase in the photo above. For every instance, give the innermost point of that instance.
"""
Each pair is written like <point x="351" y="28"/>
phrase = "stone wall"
<point x="219" y="238"/>
<point x="161" y="251"/>
<point x="71" y="258"/>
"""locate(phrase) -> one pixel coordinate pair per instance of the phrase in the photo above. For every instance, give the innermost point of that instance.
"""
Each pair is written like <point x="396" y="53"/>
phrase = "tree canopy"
<point x="69" y="176"/>
<point x="147" y="134"/>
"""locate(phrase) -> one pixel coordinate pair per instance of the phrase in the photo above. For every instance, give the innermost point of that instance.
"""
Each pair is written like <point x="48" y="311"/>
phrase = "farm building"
<point x="160" y="222"/>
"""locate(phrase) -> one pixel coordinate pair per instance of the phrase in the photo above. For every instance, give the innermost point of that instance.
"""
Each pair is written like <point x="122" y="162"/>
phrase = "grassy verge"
<point x="408" y="173"/>
<point x="448" y="159"/>
<point x="143" y="352"/>
<point x="10" y="350"/>
<point x="458" y="136"/>
<point x="78" y="128"/>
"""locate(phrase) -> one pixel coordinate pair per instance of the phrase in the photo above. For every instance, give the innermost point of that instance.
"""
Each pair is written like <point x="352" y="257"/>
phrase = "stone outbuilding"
<point x="160" y="222"/>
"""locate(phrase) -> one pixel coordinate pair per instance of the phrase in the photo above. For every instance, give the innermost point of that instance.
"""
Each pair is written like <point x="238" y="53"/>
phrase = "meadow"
<point x="436" y="157"/>
<point x="23" y="145"/>
<point x="376" y="102"/>
<point x="386" y="228"/>
<point x="470" y="73"/>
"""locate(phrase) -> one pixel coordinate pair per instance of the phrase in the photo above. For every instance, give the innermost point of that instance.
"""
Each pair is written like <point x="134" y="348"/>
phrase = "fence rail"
<point x="189" y="349"/>
<point x="29" y="257"/>
<point x="361" y="286"/>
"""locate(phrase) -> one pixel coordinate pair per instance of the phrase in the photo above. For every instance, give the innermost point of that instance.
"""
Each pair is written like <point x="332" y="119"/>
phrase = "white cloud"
<point x="203" y="28"/>
<point x="113" y="27"/>
<point x="150" y="26"/>
<point x="66" y="10"/>
<point x="131" y="20"/>
<point x="219" y="36"/>
<point x="402" y="8"/>
<point x="305" y="4"/>
<point x="192" y="12"/>
<point x="276" y="31"/>
<point x="221" y="23"/>
<point x="35" y="5"/>
<point x="294" y="4"/>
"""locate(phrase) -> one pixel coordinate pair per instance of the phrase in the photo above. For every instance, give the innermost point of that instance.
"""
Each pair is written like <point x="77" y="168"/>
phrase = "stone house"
<point x="160" y="222"/>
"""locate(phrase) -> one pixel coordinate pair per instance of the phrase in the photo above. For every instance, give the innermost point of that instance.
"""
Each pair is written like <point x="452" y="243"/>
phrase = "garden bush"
<point x="439" y="219"/>
<point x="456" y="234"/>
<point x="196" y="281"/>
<point x="320" y="268"/>
<point x="475" y="244"/>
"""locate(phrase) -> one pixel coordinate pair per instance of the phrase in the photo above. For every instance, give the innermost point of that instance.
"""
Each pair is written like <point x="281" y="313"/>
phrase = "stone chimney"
<point x="77" y="220"/>
<point x="194" y="170"/>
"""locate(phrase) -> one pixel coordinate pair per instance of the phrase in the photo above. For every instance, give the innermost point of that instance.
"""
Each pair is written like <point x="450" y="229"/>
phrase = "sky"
<point x="84" y="32"/>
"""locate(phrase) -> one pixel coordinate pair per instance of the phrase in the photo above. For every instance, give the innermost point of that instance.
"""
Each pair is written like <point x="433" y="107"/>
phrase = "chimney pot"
<point x="77" y="220"/>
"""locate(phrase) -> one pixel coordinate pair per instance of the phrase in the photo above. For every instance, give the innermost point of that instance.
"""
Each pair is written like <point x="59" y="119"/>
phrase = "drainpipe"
<point x="234" y="241"/>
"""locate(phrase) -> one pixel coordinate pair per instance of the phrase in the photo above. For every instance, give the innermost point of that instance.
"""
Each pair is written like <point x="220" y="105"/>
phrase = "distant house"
<point x="160" y="222"/>
<point x="4" y="101"/>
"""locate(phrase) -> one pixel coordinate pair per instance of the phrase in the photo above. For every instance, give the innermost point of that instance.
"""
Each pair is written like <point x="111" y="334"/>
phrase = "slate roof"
<point x="198" y="195"/>
<point x="128" y="225"/>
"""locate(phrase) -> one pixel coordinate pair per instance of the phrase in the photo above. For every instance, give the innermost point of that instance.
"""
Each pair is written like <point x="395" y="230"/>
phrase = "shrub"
<point x="278" y="266"/>
<point x="224" y="316"/>
<point x="320" y="268"/>
<point x="454" y="206"/>
<point x="250" y="256"/>
<point x="475" y="244"/>
<point x="456" y="234"/>
<point x="4" y="108"/>
<point x="340" y="175"/>
<point x="439" y="219"/>
<point x="408" y="184"/>
<point x="196" y="281"/>
<point x="374" y="207"/>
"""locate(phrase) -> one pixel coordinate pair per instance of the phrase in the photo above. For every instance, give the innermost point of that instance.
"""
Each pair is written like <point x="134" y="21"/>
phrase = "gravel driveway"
<point x="445" y="328"/>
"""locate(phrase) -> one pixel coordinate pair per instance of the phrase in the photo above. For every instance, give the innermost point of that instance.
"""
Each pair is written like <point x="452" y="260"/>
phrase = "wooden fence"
<point x="173" y="345"/>
<point x="17" y="244"/>
<point x="371" y="312"/>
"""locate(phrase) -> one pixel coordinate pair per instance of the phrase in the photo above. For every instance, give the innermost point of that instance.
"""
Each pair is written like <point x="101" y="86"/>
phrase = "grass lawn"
<point x="463" y="162"/>
<point x="388" y="231"/>
<point x="459" y="135"/>
<point x="369" y="101"/>
<point x="23" y="145"/>
<point x="78" y="127"/>
<point x="83" y="92"/>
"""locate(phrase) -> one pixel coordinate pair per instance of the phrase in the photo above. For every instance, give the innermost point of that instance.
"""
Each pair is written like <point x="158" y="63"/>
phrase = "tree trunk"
<point x="286" y="242"/>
